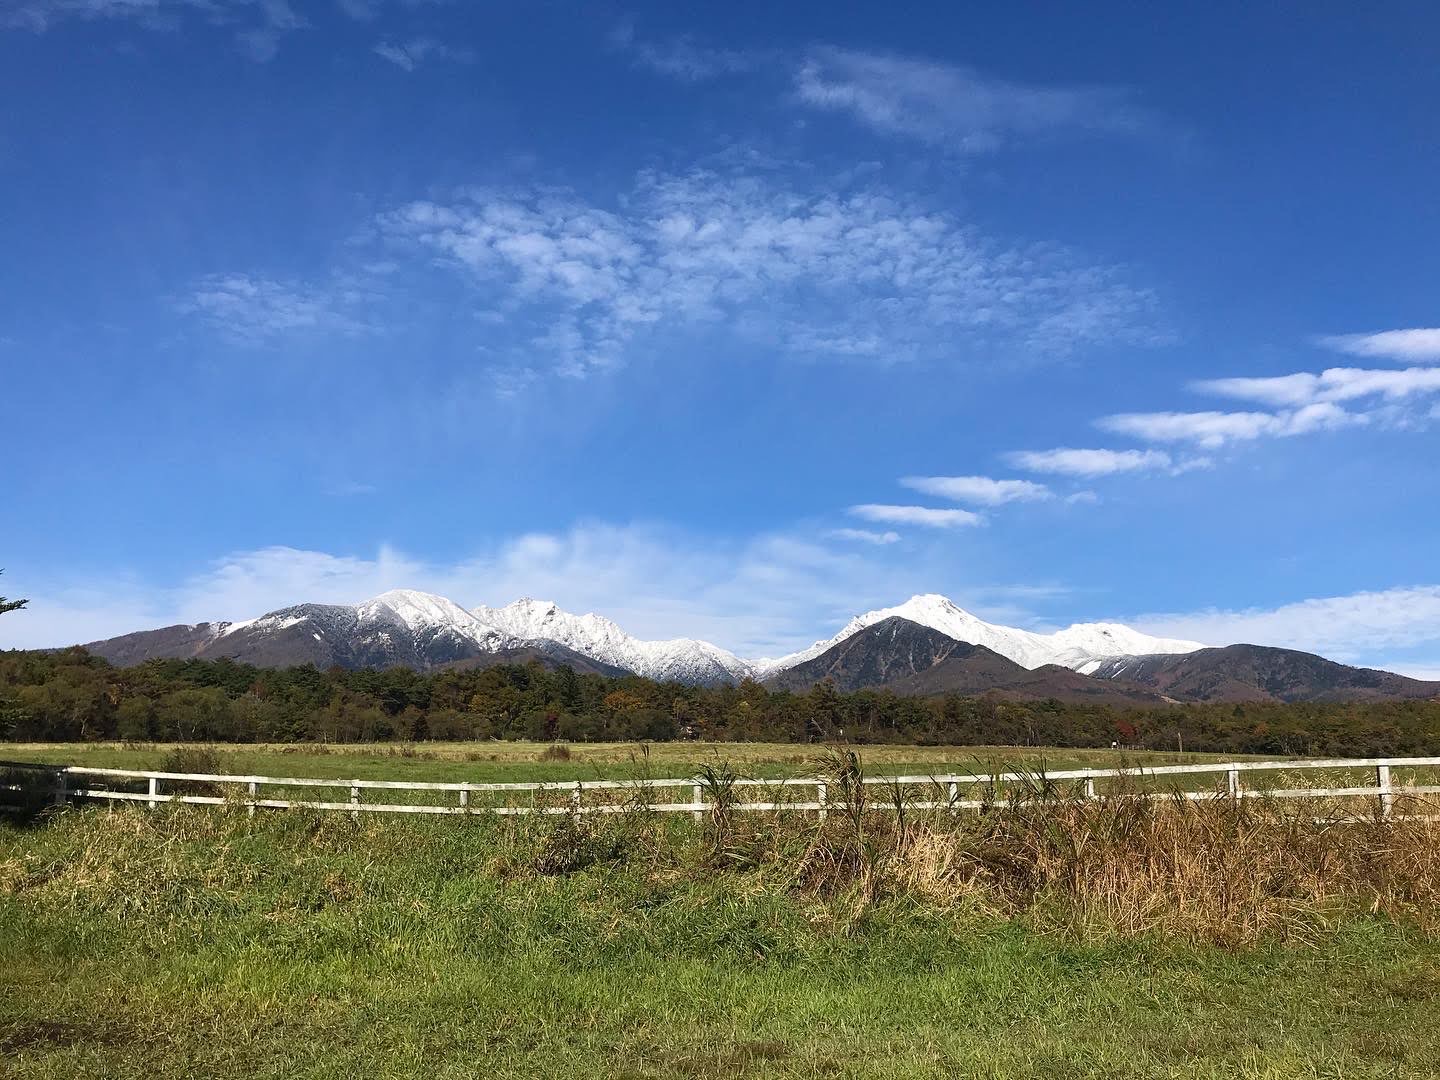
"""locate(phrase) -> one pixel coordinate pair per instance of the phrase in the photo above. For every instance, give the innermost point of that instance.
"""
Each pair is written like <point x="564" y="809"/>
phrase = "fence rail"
<point x="953" y="791"/>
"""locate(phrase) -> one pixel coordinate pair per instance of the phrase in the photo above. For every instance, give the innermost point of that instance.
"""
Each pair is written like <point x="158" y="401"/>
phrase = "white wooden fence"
<point x="945" y="791"/>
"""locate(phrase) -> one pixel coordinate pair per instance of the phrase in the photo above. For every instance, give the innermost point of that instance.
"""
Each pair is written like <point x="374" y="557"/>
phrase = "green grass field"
<point x="202" y="943"/>
<point x="494" y="762"/>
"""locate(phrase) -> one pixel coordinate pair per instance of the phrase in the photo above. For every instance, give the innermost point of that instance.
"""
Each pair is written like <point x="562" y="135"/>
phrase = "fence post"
<point x="355" y="801"/>
<point x="575" y="799"/>
<point x="1232" y="777"/>
<point x="152" y="801"/>
<point x="1387" y="796"/>
<point x="822" y="796"/>
<point x="1089" y="787"/>
<point x="59" y="797"/>
<point x="465" y="799"/>
<point x="697" y="794"/>
<point x="254" y="794"/>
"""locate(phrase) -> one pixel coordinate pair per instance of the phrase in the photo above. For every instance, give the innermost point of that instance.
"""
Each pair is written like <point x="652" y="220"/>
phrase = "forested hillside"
<point x="72" y="695"/>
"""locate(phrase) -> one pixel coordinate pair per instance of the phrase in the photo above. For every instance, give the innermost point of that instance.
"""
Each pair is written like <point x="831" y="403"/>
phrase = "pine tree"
<point x="10" y="605"/>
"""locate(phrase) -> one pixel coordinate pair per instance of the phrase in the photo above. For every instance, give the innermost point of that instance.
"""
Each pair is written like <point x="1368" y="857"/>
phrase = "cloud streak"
<point x="978" y="489"/>
<point x="1417" y="345"/>
<point x="925" y="516"/>
<point x="1066" y="461"/>
<point x="954" y="106"/>
<point x="408" y="55"/>
<point x="1332" y="385"/>
<point x="1213" y="430"/>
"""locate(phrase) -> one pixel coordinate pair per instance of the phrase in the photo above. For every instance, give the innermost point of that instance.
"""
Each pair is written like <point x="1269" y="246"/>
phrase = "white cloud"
<point x="979" y="489"/>
<point x="1339" y="627"/>
<point x="409" y="55"/>
<point x="258" y="25"/>
<point x="1216" y="429"/>
<point x="1421" y="344"/>
<point x="834" y="274"/>
<point x="250" y="310"/>
<point x="864" y="536"/>
<point x="1332" y="385"/>
<point x="917" y="515"/>
<point x="1065" y="461"/>
<point x="954" y="106"/>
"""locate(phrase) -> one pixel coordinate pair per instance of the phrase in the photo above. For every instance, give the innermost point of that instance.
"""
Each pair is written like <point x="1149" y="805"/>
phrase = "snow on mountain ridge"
<point x="1074" y="647"/>
<point x="425" y="622"/>
<point x="679" y="659"/>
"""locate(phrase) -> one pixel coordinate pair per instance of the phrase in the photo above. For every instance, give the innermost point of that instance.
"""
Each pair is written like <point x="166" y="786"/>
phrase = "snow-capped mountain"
<point x="424" y="631"/>
<point x="403" y="627"/>
<point x="679" y="659"/>
<point x="1074" y="647"/>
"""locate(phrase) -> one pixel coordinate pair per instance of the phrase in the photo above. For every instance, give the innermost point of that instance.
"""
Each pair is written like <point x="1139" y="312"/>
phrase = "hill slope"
<point x="1258" y="673"/>
<point x="908" y="658"/>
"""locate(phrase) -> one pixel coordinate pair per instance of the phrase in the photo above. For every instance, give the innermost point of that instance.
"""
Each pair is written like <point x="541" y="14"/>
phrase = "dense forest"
<point x="71" y="695"/>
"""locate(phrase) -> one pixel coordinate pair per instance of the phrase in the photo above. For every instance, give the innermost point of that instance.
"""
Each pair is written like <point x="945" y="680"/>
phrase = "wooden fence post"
<point x="152" y="801"/>
<point x="1232" y="778"/>
<point x="822" y="796"/>
<point x="953" y="794"/>
<point x="698" y="794"/>
<point x="254" y="789"/>
<point x="1089" y="787"/>
<point x="575" y="799"/>
<point x="355" y="801"/>
<point x="1387" y="796"/>
<point x="465" y="799"/>
<point x="59" y="797"/>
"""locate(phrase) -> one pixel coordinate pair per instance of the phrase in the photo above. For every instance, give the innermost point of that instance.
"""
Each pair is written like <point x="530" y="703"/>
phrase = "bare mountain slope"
<point x="1259" y="673"/>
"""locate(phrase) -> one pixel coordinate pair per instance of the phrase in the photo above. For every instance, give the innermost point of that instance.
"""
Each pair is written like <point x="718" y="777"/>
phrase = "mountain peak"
<point x="418" y="609"/>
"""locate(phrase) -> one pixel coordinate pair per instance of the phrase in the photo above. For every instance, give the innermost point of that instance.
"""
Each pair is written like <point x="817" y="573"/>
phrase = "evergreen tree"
<point x="10" y="605"/>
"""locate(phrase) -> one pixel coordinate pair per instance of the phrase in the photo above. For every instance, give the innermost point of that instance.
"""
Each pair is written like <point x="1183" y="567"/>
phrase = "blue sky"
<point x="727" y="321"/>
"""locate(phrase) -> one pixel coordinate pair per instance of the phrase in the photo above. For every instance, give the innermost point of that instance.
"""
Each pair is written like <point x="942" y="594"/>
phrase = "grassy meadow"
<point x="513" y="760"/>
<point x="1056" y="938"/>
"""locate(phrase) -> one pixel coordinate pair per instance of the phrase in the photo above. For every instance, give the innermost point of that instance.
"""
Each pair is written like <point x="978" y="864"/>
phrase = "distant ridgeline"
<point x="72" y="695"/>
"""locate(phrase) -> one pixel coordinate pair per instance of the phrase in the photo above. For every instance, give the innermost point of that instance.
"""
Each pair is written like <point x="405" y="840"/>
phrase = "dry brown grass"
<point x="1216" y="870"/>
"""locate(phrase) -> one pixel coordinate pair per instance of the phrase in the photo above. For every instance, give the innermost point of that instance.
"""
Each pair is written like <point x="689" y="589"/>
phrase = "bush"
<point x="193" y="759"/>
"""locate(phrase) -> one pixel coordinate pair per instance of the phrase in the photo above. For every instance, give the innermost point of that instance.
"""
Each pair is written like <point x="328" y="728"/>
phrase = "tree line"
<point x="70" y="695"/>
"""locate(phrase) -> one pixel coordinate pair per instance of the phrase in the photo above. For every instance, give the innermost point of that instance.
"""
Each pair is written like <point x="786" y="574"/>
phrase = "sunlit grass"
<point x="1045" y="938"/>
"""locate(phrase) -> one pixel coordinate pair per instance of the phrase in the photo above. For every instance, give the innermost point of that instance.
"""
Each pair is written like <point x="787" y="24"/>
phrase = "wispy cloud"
<point x="978" y="489"/>
<point x="258" y="25"/>
<point x="684" y="58"/>
<point x="1418" y="345"/>
<point x="864" y="536"/>
<point x="954" y="106"/>
<point x="1066" y="461"/>
<point x="917" y="515"/>
<point x="249" y="310"/>
<point x="408" y="55"/>
<point x="841" y="274"/>
<point x="1216" y="429"/>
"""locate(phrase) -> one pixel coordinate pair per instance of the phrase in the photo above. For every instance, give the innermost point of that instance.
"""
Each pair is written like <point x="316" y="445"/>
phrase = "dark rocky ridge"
<point x="907" y="658"/>
<point x="1242" y="673"/>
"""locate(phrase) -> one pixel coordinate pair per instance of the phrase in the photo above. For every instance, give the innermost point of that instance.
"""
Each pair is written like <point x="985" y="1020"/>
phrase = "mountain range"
<point x="927" y="645"/>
